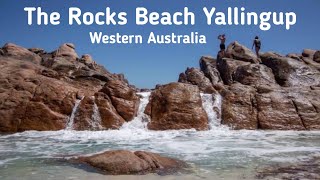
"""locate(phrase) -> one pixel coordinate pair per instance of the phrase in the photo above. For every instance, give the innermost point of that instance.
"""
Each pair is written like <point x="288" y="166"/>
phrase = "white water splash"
<point x="73" y="114"/>
<point x="212" y="106"/>
<point x="96" y="118"/>
<point x="139" y="122"/>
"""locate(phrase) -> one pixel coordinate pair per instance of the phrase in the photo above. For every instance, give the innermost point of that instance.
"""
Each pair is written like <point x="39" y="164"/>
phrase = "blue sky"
<point x="147" y="65"/>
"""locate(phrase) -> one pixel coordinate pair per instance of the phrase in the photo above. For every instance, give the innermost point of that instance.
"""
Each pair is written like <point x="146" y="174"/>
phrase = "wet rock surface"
<point x="39" y="90"/>
<point x="272" y="92"/>
<point x="121" y="162"/>
<point x="305" y="169"/>
<point x="177" y="106"/>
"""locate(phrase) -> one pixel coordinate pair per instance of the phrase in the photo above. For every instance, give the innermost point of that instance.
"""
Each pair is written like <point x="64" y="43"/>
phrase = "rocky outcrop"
<point x="237" y="51"/>
<point x="278" y="111"/>
<point x="83" y="118"/>
<point x="297" y="57"/>
<point x="67" y="51"/>
<point x="123" y="97"/>
<point x="38" y="97"/>
<point x="228" y="68"/>
<point x="18" y="52"/>
<point x="121" y="162"/>
<point x="110" y="119"/>
<point x="30" y="101"/>
<point x="280" y="94"/>
<point x="208" y="66"/>
<point x="316" y="57"/>
<point x="289" y="72"/>
<point x="40" y="91"/>
<point x="255" y="75"/>
<point x="196" y="77"/>
<point x="88" y="61"/>
<point x="239" y="107"/>
<point x="177" y="106"/>
<point x="308" y="53"/>
<point x="304" y="169"/>
<point x="311" y="63"/>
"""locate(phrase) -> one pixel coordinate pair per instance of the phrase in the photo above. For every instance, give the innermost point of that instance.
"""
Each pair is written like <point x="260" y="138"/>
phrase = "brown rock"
<point x="239" y="52"/>
<point x="228" y="67"/>
<point x="20" y="53"/>
<point x="121" y="162"/>
<point x="41" y="118"/>
<point x="110" y="119"/>
<point x="306" y="168"/>
<point x="239" y="107"/>
<point x="30" y="101"/>
<point x="277" y="111"/>
<point x="297" y="57"/>
<point x="123" y="98"/>
<point x="38" y="51"/>
<point x="311" y="63"/>
<point x="208" y="66"/>
<point x="308" y="53"/>
<point x="289" y="72"/>
<point x="83" y="118"/>
<point x="307" y="104"/>
<point x="316" y="57"/>
<point x="196" y="77"/>
<point x="177" y="106"/>
<point x="34" y="97"/>
<point x="67" y="51"/>
<point x="255" y="75"/>
<point x="87" y="60"/>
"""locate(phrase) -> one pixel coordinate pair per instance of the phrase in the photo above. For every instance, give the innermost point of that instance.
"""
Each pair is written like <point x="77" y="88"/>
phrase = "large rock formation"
<point x="36" y="95"/>
<point x="40" y="91"/>
<point x="208" y="66"/>
<point x="316" y="57"/>
<point x="255" y="75"/>
<point x="239" y="107"/>
<point x="237" y="51"/>
<point x="196" y="77"/>
<point x="177" y="106"/>
<point x="121" y="162"/>
<point x="67" y="51"/>
<point x="123" y="97"/>
<point x="228" y="68"/>
<point x="282" y="93"/>
<point x="18" y="52"/>
<point x="289" y="72"/>
<point x="309" y="53"/>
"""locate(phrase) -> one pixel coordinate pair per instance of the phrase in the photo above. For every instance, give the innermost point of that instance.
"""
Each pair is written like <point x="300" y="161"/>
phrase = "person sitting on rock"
<point x="257" y="45"/>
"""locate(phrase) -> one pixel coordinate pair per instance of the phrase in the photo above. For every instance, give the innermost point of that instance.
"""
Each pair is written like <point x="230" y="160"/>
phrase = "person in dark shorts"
<point x="222" y="39"/>
<point x="257" y="45"/>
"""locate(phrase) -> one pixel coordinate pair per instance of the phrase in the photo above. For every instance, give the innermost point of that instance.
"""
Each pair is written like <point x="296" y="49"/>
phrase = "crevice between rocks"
<point x="297" y="110"/>
<point x="255" y="105"/>
<point x="27" y="105"/>
<point x="315" y="108"/>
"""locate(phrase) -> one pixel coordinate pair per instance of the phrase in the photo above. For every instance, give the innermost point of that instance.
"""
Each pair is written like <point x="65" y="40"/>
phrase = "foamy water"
<point x="220" y="153"/>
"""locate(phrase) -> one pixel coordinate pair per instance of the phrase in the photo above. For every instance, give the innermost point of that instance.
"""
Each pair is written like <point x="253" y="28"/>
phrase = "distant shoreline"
<point x="191" y="38"/>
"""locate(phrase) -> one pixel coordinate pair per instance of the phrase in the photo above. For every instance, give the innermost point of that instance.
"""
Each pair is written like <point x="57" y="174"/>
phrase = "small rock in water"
<point x="303" y="170"/>
<point x="122" y="162"/>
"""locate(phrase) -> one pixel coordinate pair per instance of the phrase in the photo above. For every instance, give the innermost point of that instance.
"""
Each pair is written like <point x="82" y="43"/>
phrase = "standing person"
<point x="222" y="39"/>
<point x="257" y="45"/>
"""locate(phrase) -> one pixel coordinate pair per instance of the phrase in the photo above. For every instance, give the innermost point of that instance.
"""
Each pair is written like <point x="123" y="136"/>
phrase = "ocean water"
<point x="219" y="153"/>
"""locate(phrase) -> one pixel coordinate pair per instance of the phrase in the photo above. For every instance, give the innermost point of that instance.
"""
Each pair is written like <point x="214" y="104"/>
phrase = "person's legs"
<point x="223" y="49"/>
<point x="257" y="51"/>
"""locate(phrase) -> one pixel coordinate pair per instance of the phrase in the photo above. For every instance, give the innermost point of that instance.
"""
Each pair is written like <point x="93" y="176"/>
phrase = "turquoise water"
<point x="220" y="153"/>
